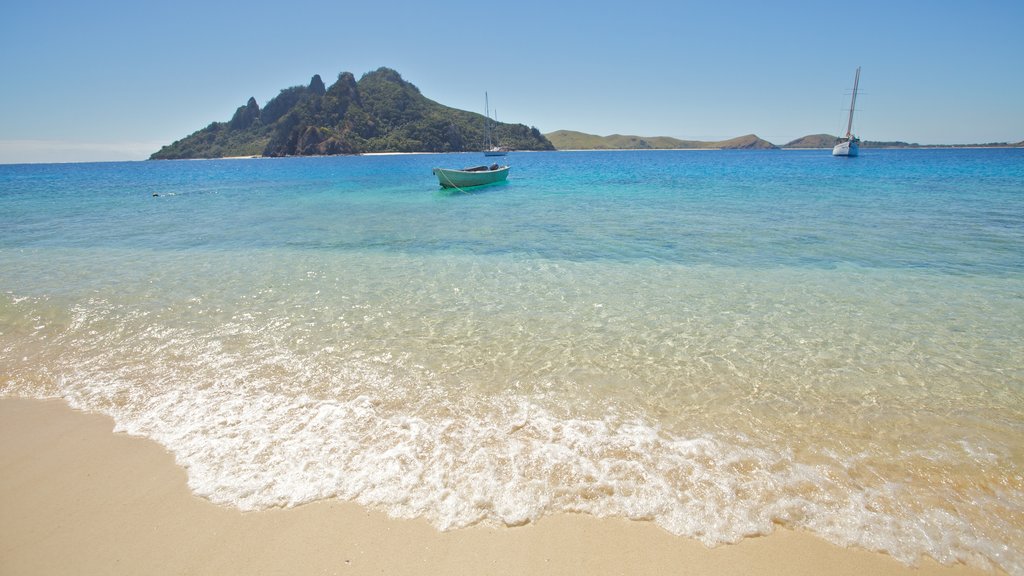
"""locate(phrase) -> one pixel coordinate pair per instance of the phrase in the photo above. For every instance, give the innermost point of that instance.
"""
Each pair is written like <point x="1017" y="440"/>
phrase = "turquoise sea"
<point x="720" y="342"/>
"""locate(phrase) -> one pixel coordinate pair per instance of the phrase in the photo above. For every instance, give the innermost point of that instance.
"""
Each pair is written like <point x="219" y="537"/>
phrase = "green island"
<point x="381" y="112"/>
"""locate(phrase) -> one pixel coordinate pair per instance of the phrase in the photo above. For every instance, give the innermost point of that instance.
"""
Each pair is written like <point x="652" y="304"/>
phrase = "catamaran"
<point x="848" y="146"/>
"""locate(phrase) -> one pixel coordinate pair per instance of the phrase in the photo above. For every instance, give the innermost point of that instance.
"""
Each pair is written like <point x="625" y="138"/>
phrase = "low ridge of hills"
<point x="813" y="141"/>
<point x="571" y="140"/>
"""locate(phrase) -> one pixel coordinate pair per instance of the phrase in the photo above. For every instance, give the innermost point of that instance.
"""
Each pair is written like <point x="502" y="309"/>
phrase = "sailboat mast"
<point x="853" y="102"/>
<point x="487" y="122"/>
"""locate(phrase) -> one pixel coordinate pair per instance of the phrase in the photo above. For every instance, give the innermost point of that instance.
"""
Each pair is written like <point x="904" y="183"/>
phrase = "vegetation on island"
<point x="379" y="113"/>
<point x="814" y="141"/>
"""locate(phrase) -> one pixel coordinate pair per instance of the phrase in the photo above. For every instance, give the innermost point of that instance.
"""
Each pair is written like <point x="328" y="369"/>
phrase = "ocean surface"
<point x="720" y="342"/>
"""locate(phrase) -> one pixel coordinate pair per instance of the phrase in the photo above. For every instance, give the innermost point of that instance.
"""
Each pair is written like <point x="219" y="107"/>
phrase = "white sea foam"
<point x="255" y="452"/>
<point x="520" y="462"/>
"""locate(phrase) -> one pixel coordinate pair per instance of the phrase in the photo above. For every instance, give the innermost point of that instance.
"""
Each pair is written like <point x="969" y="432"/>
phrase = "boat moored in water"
<point x="846" y="147"/>
<point x="470" y="177"/>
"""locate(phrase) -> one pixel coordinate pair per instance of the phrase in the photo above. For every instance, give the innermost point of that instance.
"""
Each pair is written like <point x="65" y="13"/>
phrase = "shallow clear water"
<point x="719" y="342"/>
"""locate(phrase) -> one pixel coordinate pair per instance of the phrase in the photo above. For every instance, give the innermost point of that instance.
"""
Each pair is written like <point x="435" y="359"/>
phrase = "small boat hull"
<point x="470" y="177"/>
<point x="846" y="148"/>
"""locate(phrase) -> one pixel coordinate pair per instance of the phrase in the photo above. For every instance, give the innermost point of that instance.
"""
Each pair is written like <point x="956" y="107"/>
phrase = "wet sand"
<point x="76" y="498"/>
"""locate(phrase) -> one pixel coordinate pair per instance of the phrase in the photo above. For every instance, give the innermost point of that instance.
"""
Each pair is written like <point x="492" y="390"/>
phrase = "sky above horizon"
<point x="119" y="79"/>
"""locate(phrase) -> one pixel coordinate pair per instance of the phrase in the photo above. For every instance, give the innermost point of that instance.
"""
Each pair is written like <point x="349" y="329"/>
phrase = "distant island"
<point x="828" y="141"/>
<point x="379" y="113"/>
<point x="570" y="140"/>
<point x="383" y="113"/>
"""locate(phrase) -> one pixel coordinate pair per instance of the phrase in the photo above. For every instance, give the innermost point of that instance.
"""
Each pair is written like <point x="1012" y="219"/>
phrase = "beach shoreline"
<point x="77" y="498"/>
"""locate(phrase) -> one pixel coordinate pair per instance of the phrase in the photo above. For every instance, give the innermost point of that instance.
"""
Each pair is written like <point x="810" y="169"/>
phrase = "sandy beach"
<point x="76" y="498"/>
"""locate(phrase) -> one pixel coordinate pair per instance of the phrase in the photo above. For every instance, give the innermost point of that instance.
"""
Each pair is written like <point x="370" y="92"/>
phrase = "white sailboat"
<point x="848" y="146"/>
<point x="491" y="149"/>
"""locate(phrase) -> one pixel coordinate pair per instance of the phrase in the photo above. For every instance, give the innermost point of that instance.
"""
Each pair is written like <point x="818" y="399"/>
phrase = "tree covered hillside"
<point x="379" y="113"/>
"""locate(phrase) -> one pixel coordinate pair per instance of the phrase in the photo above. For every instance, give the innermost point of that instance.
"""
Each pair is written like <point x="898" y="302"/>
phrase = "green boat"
<point x="469" y="177"/>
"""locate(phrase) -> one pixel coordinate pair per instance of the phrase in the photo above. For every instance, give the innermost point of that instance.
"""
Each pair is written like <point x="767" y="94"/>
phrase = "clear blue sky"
<point x="118" y="79"/>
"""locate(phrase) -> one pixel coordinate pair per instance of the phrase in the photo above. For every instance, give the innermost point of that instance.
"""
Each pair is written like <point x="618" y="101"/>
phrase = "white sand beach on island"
<point x="76" y="498"/>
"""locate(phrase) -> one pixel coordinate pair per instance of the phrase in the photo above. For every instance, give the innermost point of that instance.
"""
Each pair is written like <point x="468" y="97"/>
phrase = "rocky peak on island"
<point x="316" y="85"/>
<point x="246" y="115"/>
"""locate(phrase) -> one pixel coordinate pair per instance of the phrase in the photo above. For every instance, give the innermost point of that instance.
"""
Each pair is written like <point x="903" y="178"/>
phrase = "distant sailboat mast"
<point x="487" y="113"/>
<point x="491" y="149"/>
<point x="853" y="103"/>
